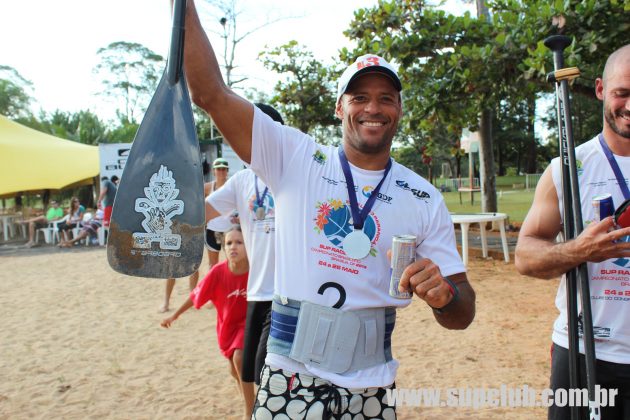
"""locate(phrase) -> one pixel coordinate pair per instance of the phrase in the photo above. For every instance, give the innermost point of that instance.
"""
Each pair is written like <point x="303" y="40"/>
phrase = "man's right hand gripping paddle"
<point x="157" y="223"/>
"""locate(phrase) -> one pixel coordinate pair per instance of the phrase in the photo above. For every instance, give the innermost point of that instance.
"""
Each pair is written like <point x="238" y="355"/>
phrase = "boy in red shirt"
<point x="226" y="285"/>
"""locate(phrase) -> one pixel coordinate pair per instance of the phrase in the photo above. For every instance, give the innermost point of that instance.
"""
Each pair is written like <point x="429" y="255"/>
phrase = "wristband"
<point x="454" y="291"/>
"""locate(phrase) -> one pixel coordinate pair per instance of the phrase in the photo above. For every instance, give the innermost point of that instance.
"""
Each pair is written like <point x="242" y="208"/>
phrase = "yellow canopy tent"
<point x="33" y="161"/>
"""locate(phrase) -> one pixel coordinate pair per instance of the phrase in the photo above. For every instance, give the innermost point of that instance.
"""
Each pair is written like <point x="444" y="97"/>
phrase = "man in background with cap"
<point x="246" y="194"/>
<point x="329" y="348"/>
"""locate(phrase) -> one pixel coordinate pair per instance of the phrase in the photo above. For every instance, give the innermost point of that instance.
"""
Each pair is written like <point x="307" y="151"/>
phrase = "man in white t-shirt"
<point x="329" y="350"/>
<point x="599" y="245"/>
<point x="246" y="194"/>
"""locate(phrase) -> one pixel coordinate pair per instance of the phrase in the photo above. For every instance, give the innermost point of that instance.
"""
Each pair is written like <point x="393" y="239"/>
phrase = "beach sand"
<point x="79" y="341"/>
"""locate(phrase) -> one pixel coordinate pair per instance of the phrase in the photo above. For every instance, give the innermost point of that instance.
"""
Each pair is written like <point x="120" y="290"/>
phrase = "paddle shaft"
<point x="572" y="213"/>
<point x="176" y="50"/>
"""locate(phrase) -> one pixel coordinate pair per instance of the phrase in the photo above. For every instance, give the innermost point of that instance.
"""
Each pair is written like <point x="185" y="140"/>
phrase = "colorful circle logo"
<point x="333" y="219"/>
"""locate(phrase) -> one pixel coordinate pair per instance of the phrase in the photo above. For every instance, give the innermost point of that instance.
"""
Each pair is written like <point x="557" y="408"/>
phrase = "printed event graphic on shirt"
<point x="159" y="207"/>
<point x="334" y="220"/>
<point x="624" y="262"/>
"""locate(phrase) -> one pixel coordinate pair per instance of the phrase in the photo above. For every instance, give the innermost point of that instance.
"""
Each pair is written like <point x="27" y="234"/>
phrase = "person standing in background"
<point x="106" y="198"/>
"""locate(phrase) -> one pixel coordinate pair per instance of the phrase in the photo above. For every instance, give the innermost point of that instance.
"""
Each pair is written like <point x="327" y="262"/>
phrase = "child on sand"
<point x="225" y="285"/>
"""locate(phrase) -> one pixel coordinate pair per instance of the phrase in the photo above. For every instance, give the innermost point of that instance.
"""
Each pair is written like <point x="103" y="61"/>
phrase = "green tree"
<point x="513" y="131"/>
<point x="433" y="140"/>
<point x="125" y="132"/>
<point x="205" y="128"/>
<point x="83" y="126"/>
<point x="455" y="66"/>
<point x="15" y="99"/>
<point x="305" y="94"/>
<point x="409" y="156"/>
<point x="130" y="72"/>
<point x="90" y="128"/>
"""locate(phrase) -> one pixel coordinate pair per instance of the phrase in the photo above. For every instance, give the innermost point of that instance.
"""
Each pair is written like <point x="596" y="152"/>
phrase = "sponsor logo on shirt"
<point x="422" y="195"/>
<point x="238" y="292"/>
<point x="598" y="332"/>
<point x="319" y="157"/>
<point x="334" y="220"/>
<point x="367" y="192"/>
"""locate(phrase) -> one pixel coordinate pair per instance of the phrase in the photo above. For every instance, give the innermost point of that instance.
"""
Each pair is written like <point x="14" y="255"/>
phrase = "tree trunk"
<point x="530" y="165"/>
<point x="501" y="159"/>
<point x="486" y="158"/>
<point x="486" y="163"/>
<point x="482" y="10"/>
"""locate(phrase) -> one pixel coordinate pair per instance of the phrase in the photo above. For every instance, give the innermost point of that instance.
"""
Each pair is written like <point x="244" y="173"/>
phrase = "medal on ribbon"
<point x="357" y="244"/>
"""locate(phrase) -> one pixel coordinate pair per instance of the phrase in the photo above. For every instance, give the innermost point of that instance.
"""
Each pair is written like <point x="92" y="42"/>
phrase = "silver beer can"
<point x="403" y="254"/>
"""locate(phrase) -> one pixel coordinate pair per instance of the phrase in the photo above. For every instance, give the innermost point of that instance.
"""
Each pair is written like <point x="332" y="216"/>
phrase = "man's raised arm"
<point x="232" y="114"/>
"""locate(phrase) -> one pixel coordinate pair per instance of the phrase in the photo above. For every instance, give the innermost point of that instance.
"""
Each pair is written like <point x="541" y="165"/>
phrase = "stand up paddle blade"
<point x="157" y="223"/>
<point x="156" y="229"/>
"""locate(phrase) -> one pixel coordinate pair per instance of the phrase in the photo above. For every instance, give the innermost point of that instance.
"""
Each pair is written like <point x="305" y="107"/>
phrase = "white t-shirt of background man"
<point x="239" y="194"/>
<point x="610" y="279"/>
<point x="313" y="217"/>
<point x="222" y="223"/>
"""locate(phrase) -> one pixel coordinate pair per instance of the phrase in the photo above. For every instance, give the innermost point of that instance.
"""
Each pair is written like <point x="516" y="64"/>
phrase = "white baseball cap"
<point x="366" y="64"/>
<point x="220" y="163"/>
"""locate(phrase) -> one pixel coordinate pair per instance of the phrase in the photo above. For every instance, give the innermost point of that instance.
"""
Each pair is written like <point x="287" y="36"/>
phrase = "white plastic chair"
<point x="51" y="232"/>
<point x="79" y="224"/>
<point x="87" y="216"/>
<point x="102" y="235"/>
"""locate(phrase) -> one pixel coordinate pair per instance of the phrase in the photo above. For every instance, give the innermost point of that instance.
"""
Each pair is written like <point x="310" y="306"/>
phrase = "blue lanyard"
<point x="260" y="200"/>
<point x="358" y="218"/>
<point x="615" y="167"/>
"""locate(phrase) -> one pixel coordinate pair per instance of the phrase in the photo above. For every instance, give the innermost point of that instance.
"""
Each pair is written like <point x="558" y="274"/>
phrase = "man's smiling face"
<point x="614" y="90"/>
<point x="370" y="110"/>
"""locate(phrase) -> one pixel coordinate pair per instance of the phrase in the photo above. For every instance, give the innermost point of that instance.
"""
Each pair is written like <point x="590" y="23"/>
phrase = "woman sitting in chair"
<point x="90" y="228"/>
<point x="75" y="215"/>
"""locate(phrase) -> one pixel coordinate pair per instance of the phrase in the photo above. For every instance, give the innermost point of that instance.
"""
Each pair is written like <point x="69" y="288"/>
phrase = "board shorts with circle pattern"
<point x="287" y="395"/>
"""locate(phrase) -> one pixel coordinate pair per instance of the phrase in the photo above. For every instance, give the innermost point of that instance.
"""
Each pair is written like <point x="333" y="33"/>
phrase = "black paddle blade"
<point x="157" y="223"/>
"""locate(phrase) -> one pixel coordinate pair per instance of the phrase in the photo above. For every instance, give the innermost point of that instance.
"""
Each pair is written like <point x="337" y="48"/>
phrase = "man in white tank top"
<point x="604" y="248"/>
